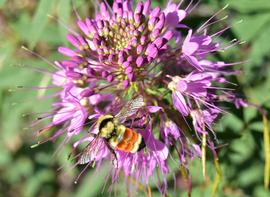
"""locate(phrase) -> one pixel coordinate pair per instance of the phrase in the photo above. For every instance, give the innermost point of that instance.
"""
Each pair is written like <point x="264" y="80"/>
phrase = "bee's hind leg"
<point x="114" y="154"/>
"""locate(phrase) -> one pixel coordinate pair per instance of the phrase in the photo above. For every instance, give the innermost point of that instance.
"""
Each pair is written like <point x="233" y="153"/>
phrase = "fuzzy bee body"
<point x="118" y="136"/>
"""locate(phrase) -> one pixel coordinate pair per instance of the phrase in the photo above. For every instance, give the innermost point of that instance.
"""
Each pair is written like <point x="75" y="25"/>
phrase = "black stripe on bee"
<point x="104" y="123"/>
<point x="142" y="145"/>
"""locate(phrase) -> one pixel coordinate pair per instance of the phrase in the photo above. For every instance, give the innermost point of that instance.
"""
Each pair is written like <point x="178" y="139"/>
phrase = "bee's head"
<point x="105" y="125"/>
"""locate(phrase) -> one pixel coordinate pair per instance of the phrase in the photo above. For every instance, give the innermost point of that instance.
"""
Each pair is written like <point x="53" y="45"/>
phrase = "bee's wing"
<point x="130" y="108"/>
<point x="84" y="159"/>
<point x="90" y="151"/>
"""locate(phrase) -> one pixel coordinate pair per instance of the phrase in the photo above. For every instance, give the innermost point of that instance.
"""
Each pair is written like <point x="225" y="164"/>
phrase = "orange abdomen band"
<point x="129" y="139"/>
<point x="122" y="145"/>
<point x="129" y="147"/>
<point x="128" y="134"/>
<point x="134" y="137"/>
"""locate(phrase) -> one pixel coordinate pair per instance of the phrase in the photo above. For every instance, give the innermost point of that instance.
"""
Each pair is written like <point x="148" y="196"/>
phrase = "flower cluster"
<point x="129" y="51"/>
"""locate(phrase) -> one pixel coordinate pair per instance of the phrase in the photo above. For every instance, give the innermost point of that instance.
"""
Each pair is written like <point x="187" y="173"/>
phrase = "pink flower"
<point x="125" y="53"/>
<point x="196" y="47"/>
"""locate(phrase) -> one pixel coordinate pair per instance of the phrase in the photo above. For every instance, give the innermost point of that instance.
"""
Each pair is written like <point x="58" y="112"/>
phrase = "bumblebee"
<point x="115" y="134"/>
<point x="118" y="136"/>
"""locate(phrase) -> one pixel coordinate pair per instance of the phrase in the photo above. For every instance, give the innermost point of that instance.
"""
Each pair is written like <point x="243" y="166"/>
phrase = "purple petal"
<point x="199" y="89"/>
<point x="182" y="86"/>
<point x="67" y="52"/>
<point x="180" y="103"/>
<point x="77" y="122"/>
<point x="194" y="62"/>
<point x="94" y="99"/>
<point x="63" y="115"/>
<point x="197" y="149"/>
<point x="59" y="78"/>
<point x="171" y="129"/>
<point x="189" y="47"/>
<point x="154" y="109"/>
<point x="155" y="145"/>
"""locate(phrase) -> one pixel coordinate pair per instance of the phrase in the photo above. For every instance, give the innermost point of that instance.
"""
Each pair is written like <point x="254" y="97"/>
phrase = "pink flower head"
<point x="129" y="53"/>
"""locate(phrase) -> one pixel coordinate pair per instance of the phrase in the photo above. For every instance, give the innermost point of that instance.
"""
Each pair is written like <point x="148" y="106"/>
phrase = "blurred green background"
<point x="33" y="172"/>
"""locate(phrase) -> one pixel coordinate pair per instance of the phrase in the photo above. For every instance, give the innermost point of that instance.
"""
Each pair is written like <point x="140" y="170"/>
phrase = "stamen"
<point x="40" y="57"/>
<point x="216" y="14"/>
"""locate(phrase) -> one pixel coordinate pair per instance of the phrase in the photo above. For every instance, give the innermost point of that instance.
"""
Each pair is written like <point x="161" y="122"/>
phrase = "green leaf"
<point x="5" y="53"/>
<point x="249" y="114"/>
<point x="21" y="27"/>
<point x="39" y="21"/>
<point x="95" y="179"/>
<point x="5" y="157"/>
<point x="35" y="182"/>
<point x="240" y="151"/>
<point x="261" y="46"/>
<point x="257" y="22"/>
<point x="262" y="192"/>
<point x="51" y="36"/>
<point x="250" y="175"/>
<point x="2" y="2"/>
<point x="64" y="12"/>
<point x="246" y="6"/>
<point x="260" y="94"/>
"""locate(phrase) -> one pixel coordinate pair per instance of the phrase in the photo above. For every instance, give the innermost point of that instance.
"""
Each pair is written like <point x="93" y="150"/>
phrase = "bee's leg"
<point x="142" y="127"/>
<point x="137" y="117"/>
<point x="132" y="126"/>
<point x="115" y="158"/>
<point x="93" y="135"/>
<point x="113" y="152"/>
<point x="132" y="123"/>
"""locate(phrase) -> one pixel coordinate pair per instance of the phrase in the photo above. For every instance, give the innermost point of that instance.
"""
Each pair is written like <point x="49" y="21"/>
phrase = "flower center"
<point x="126" y="42"/>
